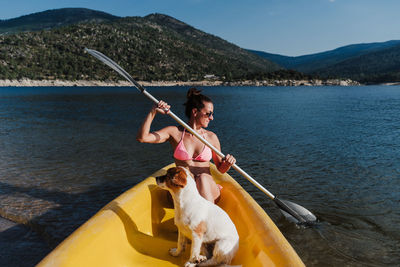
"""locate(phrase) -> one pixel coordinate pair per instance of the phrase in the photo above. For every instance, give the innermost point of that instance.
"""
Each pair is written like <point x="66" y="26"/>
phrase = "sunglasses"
<point x="208" y="114"/>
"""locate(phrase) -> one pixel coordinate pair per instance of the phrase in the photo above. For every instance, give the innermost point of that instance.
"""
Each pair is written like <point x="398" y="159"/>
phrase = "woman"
<point x="188" y="150"/>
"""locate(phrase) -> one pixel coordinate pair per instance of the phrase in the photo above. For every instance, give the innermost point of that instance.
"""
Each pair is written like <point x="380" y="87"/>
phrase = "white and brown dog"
<point x="206" y="224"/>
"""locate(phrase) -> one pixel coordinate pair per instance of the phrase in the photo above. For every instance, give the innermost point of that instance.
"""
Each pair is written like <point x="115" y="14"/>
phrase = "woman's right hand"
<point x="144" y="135"/>
<point x="162" y="107"/>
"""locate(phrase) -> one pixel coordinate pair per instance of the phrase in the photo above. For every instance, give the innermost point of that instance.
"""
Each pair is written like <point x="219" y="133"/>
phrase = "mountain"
<point x="345" y="62"/>
<point x="53" y="18"/>
<point x="155" y="47"/>
<point x="375" y="67"/>
<point x="311" y="63"/>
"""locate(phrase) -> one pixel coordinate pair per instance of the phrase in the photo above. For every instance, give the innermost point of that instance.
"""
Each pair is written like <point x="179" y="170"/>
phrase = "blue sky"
<point x="288" y="27"/>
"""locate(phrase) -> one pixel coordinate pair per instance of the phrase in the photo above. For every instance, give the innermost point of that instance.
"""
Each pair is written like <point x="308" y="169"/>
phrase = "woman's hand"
<point x="226" y="163"/>
<point x="162" y="107"/>
<point x="160" y="136"/>
<point x="229" y="159"/>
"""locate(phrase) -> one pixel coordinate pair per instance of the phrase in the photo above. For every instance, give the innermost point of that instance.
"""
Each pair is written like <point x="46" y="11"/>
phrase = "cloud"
<point x="332" y="1"/>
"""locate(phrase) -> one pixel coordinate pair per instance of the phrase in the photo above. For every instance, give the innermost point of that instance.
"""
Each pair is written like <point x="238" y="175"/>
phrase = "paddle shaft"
<point x="109" y="62"/>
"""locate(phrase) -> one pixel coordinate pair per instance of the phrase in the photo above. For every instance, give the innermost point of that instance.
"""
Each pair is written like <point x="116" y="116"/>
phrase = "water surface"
<point x="66" y="152"/>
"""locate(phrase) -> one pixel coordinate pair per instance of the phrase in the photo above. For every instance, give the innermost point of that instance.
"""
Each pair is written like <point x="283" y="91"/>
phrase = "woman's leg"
<point x="207" y="187"/>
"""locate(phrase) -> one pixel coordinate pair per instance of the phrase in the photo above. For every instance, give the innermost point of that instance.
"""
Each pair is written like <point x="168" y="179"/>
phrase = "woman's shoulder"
<point x="173" y="132"/>
<point x="173" y="129"/>
<point x="170" y="130"/>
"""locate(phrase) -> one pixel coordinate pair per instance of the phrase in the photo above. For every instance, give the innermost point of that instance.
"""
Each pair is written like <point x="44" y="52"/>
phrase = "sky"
<point x="286" y="27"/>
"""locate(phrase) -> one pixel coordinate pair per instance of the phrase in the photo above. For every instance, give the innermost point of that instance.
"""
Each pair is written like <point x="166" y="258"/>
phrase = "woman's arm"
<point x="223" y="164"/>
<point x="144" y="135"/>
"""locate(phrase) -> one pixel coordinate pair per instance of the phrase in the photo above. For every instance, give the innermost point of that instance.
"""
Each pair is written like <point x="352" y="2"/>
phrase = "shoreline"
<point x="121" y="83"/>
<point x="6" y="224"/>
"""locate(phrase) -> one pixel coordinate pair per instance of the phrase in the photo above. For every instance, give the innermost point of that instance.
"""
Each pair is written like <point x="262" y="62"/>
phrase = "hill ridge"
<point x="53" y="18"/>
<point x="328" y="64"/>
<point x="154" y="47"/>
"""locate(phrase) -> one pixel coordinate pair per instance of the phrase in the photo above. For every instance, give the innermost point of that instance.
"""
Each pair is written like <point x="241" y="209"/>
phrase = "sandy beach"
<point x="56" y="83"/>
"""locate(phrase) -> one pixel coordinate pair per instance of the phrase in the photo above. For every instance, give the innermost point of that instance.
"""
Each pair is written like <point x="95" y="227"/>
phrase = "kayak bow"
<point x="137" y="229"/>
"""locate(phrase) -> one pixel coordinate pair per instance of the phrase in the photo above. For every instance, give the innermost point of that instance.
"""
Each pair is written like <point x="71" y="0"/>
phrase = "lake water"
<point x="66" y="152"/>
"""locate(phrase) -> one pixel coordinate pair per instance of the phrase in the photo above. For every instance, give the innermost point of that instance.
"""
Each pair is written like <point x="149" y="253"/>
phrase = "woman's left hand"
<point x="229" y="159"/>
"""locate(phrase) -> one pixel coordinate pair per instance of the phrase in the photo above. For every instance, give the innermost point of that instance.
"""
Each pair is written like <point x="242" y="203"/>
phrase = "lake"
<point x="66" y="152"/>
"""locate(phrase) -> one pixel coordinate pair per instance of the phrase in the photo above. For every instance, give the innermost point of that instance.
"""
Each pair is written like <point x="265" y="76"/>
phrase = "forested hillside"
<point x="377" y="67"/>
<point x="366" y="63"/>
<point x="155" y="47"/>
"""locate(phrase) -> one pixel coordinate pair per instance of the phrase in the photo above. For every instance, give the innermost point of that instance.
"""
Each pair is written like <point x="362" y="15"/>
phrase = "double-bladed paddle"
<point x="290" y="210"/>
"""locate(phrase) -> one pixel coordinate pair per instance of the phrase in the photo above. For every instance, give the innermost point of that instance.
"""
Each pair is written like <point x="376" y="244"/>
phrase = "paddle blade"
<point x="109" y="62"/>
<point x="295" y="213"/>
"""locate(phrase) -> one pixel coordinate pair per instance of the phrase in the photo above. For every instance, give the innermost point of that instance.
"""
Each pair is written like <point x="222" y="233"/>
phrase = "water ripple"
<point x="66" y="152"/>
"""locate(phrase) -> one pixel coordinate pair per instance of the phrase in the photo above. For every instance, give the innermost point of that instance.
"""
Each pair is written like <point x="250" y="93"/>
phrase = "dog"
<point x="206" y="224"/>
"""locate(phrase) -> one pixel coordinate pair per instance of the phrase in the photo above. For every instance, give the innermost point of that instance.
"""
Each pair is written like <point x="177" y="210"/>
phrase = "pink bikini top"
<point x="180" y="152"/>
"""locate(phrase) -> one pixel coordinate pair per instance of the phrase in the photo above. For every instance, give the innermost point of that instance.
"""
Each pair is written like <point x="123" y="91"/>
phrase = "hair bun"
<point x="195" y="99"/>
<point x="193" y="92"/>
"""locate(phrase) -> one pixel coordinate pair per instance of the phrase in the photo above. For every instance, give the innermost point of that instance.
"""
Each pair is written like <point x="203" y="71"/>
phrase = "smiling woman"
<point x="189" y="151"/>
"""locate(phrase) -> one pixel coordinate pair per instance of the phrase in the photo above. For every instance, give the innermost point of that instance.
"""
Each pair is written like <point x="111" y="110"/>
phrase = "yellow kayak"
<point x="137" y="229"/>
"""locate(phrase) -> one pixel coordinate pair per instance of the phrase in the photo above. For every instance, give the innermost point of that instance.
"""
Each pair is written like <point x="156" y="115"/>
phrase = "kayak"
<point x="137" y="229"/>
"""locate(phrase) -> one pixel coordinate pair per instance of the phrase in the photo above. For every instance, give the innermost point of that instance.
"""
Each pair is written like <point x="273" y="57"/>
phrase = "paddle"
<point x="290" y="210"/>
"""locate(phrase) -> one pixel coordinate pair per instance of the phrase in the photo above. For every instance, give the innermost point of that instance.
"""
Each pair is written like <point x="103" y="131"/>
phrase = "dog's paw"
<point x="195" y="260"/>
<point x="198" y="259"/>
<point x="201" y="258"/>
<point x="174" y="252"/>
<point x="190" y="264"/>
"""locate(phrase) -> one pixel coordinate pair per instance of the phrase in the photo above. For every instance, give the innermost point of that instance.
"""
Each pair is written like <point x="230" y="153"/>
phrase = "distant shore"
<point x="41" y="83"/>
<point x="391" y="84"/>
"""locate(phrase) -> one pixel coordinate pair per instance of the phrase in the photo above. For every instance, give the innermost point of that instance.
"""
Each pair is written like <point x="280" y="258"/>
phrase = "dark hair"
<point x="195" y="100"/>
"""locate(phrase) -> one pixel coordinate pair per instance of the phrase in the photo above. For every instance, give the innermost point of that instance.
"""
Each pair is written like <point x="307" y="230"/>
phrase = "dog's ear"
<point x="179" y="178"/>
